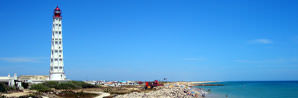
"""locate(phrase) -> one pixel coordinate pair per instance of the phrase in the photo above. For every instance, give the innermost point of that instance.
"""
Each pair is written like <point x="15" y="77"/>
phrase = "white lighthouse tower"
<point x="57" y="65"/>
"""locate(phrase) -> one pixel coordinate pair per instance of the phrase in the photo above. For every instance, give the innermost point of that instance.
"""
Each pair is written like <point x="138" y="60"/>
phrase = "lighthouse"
<point x="57" y="65"/>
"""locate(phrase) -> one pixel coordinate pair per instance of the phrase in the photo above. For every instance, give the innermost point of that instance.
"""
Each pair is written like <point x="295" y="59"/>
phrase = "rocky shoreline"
<point x="170" y="91"/>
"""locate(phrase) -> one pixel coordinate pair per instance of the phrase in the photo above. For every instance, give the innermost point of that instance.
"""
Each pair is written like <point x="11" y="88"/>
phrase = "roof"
<point x="57" y="8"/>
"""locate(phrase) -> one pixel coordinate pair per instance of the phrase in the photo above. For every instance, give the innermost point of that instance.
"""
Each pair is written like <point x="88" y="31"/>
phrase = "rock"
<point x="173" y="92"/>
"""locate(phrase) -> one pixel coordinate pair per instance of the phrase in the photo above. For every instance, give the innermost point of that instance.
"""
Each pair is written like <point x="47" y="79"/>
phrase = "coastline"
<point x="169" y="90"/>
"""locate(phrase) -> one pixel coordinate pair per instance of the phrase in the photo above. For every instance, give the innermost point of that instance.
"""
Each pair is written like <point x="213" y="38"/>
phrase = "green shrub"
<point x="86" y="85"/>
<point x="25" y="85"/>
<point x="74" y="85"/>
<point x="67" y="85"/>
<point x="40" y="88"/>
<point x="83" y="84"/>
<point x="51" y="84"/>
<point x="3" y="87"/>
<point x="71" y="94"/>
<point x="77" y="83"/>
<point x="63" y="85"/>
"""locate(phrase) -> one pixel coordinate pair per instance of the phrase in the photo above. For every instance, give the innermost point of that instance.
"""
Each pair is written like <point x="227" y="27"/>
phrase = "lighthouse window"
<point x="56" y="51"/>
<point x="60" y="67"/>
<point x="59" y="32"/>
<point x="56" y="67"/>
<point x="60" y="51"/>
<point x="51" y="60"/>
<point x="56" y="59"/>
<point x="59" y="42"/>
<point x="59" y="25"/>
<point x="60" y="59"/>
<point x="56" y="42"/>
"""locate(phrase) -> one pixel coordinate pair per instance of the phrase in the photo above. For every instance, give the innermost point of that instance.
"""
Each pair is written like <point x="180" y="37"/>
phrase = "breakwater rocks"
<point x="175" y="92"/>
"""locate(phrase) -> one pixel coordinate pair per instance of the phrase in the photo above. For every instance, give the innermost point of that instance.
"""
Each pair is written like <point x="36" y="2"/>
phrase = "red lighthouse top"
<point x="57" y="12"/>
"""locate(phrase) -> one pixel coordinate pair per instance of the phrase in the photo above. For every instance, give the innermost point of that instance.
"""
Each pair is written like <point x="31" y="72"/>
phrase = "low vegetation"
<point x="46" y="86"/>
<point x="71" y="94"/>
<point x="40" y="88"/>
<point x="4" y="88"/>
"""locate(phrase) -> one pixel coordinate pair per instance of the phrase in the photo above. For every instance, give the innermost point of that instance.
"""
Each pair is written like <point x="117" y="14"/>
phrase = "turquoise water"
<point x="253" y="89"/>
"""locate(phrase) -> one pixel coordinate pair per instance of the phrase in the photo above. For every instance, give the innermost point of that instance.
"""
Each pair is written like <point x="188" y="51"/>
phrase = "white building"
<point x="57" y="65"/>
<point x="9" y="80"/>
<point x="34" y="79"/>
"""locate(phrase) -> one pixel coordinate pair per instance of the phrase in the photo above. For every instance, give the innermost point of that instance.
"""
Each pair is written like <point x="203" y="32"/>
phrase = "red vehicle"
<point x="150" y="85"/>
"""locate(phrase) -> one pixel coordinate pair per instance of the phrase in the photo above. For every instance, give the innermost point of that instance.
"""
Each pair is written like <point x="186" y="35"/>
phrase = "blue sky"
<point x="151" y="39"/>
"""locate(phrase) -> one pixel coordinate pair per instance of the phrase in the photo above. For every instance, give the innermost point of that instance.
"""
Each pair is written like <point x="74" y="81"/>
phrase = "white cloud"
<point x="262" y="41"/>
<point x="20" y="59"/>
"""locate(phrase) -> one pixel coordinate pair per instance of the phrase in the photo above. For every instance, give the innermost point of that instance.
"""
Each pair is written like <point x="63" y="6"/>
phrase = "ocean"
<point x="253" y="89"/>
